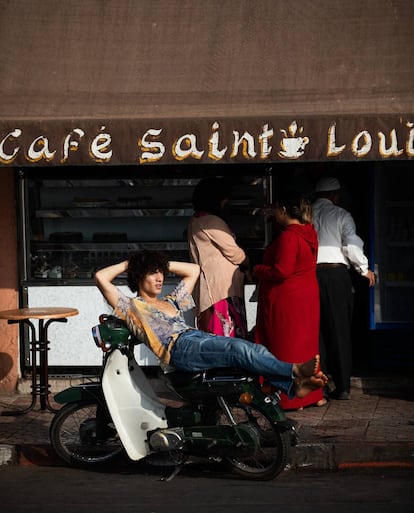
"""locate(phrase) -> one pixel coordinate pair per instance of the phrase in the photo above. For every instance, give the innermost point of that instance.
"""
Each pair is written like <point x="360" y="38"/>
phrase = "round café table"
<point x="39" y="346"/>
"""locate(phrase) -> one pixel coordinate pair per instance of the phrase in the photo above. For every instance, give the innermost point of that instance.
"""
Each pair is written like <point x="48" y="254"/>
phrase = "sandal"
<point x="321" y="402"/>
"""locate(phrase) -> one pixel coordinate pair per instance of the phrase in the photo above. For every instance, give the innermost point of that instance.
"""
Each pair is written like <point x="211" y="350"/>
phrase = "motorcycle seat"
<point x="181" y="378"/>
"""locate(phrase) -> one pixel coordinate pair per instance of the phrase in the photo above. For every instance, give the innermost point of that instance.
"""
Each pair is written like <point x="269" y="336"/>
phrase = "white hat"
<point x="327" y="184"/>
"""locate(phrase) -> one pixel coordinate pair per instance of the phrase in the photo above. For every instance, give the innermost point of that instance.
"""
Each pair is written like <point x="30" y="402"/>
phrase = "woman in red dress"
<point x="288" y="303"/>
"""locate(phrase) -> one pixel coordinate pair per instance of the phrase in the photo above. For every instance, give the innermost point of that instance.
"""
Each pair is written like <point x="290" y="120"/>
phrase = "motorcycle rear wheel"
<point x="82" y="436"/>
<point x="270" y="457"/>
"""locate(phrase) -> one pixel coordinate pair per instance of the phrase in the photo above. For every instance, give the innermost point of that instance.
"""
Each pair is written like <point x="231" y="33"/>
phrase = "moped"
<point x="223" y="415"/>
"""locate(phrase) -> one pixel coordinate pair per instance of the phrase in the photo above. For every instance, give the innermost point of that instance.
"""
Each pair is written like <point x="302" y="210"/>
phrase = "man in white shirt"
<point x="339" y="249"/>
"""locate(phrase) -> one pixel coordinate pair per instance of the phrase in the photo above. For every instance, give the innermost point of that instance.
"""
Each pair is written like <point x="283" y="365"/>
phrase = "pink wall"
<point x="9" y="347"/>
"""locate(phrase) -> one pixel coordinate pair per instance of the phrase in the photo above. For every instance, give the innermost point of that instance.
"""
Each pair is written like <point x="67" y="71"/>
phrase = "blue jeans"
<point x="196" y="350"/>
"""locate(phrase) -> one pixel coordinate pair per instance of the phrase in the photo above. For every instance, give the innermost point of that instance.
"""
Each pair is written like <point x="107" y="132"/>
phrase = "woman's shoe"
<point x="322" y="402"/>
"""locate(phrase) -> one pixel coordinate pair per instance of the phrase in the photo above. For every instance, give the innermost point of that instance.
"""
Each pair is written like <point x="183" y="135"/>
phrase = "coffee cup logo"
<point x="293" y="144"/>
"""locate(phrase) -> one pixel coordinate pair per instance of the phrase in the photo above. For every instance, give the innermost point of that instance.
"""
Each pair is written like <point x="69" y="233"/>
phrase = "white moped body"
<point x="132" y="403"/>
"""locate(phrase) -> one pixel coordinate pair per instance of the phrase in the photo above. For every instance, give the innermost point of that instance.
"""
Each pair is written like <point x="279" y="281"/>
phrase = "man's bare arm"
<point x="187" y="271"/>
<point x="104" y="278"/>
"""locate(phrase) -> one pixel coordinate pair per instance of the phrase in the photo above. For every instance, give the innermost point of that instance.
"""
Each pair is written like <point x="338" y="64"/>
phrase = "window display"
<point x="74" y="226"/>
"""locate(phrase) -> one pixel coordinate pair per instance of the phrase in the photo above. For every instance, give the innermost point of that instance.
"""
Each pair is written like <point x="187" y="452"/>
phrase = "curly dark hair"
<point x="142" y="263"/>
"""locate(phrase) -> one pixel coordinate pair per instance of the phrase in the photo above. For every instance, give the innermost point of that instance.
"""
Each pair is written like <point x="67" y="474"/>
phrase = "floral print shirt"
<point x="151" y="326"/>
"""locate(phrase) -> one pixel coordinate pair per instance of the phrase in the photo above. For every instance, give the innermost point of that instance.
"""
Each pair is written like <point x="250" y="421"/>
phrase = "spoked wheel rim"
<point x="270" y="456"/>
<point x="81" y="435"/>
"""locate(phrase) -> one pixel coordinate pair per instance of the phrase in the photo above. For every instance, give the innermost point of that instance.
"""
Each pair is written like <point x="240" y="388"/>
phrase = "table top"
<point x="53" y="312"/>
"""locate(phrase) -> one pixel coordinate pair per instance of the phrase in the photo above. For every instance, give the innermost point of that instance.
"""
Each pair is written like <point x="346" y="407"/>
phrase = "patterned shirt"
<point x="154" y="328"/>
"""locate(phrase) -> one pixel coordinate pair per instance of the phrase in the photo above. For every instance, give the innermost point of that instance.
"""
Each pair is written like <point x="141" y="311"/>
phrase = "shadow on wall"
<point x="6" y="364"/>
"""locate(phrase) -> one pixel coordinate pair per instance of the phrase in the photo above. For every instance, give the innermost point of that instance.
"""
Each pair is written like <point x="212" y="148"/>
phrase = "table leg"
<point x="40" y="376"/>
<point x="44" y="366"/>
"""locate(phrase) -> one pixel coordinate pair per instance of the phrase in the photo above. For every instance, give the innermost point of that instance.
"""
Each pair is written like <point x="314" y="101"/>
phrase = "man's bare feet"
<point x="304" y="385"/>
<point x="307" y="369"/>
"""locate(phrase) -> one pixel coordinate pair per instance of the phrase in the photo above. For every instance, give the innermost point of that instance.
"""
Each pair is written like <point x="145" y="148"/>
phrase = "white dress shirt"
<point x="338" y="241"/>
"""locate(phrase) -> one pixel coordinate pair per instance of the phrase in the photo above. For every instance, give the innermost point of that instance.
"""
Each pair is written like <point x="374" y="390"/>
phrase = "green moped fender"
<point x="268" y="404"/>
<point x="91" y="391"/>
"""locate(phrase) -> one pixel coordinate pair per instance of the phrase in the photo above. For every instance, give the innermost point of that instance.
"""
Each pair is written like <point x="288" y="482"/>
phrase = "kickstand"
<point x="173" y="474"/>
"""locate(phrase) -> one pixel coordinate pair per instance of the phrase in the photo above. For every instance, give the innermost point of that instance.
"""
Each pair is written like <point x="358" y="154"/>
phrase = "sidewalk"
<point x="374" y="428"/>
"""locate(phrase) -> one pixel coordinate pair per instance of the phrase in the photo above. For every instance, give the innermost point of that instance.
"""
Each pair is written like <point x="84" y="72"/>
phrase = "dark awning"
<point x="186" y="81"/>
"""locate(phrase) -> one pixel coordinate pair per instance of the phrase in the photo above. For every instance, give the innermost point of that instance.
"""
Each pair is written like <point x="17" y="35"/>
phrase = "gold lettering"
<point x="213" y="151"/>
<point x="71" y="145"/>
<point x="333" y="150"/>
<point x="99" y="148"/>
<point x="264" y="137"/>
<point x="155" y="148"/>
<point x="247" y="143"/>
<point x="39" y="149"/>
<point x="7" y="158"/>
<point x="409" y="148"/>
<point x="366" y="144"/>
<point x="191" y="150"/>
<point x="393" y="150"/>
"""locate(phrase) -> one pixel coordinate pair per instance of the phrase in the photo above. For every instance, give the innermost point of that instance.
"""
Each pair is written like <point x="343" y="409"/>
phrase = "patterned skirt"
<point x="226" y="318"/>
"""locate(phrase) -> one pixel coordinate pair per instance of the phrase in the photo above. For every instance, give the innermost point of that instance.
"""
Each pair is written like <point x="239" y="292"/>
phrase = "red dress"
<point x="288" y="303"/>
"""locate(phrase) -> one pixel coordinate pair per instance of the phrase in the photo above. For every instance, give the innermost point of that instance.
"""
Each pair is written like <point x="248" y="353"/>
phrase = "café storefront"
<point x="103" y="156"/>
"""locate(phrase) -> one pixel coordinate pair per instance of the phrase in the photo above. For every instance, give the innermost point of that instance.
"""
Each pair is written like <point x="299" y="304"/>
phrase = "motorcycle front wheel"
<point x="272" y="454"/>
<point x="82" y="434"/>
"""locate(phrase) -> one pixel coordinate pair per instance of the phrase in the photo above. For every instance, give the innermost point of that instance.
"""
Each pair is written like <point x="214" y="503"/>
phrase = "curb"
<point x="305" y="456"/>
<point x="342" y="455"/>
<point x="8" y="455"/>
<point x="28" y="454"/>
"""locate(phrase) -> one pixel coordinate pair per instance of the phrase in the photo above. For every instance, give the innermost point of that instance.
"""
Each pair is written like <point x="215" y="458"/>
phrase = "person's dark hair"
<point x="209" y="193"/>
<point x="142" y="263"/>
<point x="297" y="205"/>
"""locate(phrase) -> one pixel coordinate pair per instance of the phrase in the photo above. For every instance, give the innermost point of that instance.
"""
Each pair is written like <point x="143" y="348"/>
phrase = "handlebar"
<point x="112" y="332"/>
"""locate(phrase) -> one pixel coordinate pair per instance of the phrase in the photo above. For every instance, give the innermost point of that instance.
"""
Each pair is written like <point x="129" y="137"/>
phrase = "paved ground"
<point x="376" y="427"/>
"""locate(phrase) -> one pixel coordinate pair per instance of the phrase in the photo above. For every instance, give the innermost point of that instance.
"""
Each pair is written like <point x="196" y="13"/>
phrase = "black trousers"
<point x="336" y="299"/>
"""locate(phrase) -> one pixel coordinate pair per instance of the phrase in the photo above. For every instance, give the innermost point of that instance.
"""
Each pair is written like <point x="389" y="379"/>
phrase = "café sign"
<point x="146" y="142"/>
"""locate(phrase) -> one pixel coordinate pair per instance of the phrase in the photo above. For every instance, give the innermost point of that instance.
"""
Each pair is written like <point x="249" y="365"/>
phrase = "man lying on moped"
<point x="159" y="323"/>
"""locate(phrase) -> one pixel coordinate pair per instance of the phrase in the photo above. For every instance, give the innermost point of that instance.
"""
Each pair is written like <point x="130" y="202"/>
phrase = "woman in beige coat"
<point x="219" y="294"/>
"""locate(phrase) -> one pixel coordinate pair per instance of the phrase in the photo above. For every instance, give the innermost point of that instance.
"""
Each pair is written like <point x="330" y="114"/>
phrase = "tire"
<point x="272" y="454"/>
<point x="80" y="438"/>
